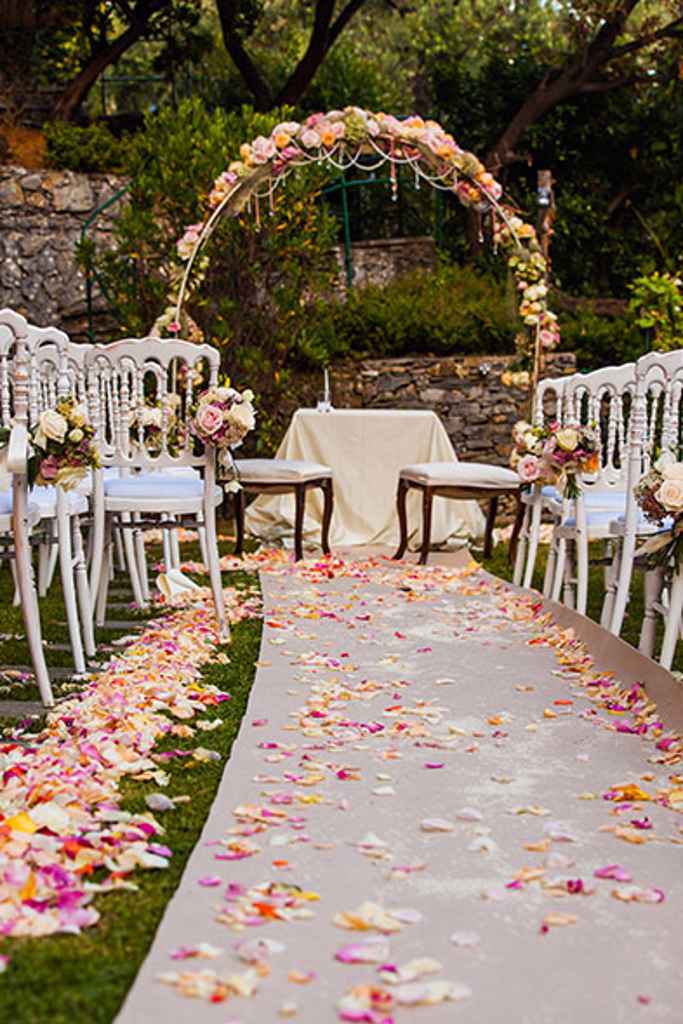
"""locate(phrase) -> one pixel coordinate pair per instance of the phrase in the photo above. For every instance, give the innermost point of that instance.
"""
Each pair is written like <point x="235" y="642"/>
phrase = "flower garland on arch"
<point x="341" y="138"/>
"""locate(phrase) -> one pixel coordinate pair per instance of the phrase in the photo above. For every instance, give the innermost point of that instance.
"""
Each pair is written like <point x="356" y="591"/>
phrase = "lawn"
<point x="70" y="978"/>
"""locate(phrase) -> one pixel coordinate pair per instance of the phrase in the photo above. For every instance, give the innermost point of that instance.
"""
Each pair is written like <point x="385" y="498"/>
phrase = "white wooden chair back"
<point x="125" y="377"/>
<point x="605" y="398"/>
<point x="549" y="399"/>
<point x="657" y="420"/>
<point x="45" y="359"/>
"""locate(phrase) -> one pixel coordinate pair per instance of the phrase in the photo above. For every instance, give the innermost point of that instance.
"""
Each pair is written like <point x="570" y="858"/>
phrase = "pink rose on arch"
<point x="529" y="469"/>
<point x="209" y="419"/>
<point x="49" y="468"/>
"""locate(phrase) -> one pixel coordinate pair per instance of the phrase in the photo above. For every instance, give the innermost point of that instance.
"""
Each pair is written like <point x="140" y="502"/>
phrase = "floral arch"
<point x="341" y="139"/>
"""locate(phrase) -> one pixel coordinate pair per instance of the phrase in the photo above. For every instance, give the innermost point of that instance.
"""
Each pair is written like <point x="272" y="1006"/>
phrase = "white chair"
<point x="17" y="515"/>
<point x="656" y="423"/>
<point x="603" y="397"/>
<point x="285" y="476"/>
<point x="548" y="405"/>
<point x="120" y="377"/>
<point x="458" y="480"/>
<point x="49" y="380"/>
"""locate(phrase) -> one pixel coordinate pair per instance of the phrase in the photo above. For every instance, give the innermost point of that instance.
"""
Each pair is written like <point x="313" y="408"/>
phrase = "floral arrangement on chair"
<point x="554" y="454"/>
<point x="146" y="425"/>
<point x="63" y="446"/>
<point x="659" y="493"/>
<point x="222" y="417"/>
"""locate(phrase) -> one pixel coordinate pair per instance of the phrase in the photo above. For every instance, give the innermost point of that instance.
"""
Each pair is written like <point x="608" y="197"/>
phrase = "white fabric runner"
<point x="365" y="449"/>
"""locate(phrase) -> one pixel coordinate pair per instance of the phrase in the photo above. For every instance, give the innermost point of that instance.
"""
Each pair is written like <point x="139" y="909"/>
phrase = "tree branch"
<point x="253" y="80"/>
<point x="74" y="94"/>
<point x="323" y="36"/>
<point x="670" y="31"/>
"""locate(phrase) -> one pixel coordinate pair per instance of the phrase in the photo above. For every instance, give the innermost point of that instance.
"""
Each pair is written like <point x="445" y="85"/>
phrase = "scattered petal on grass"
<point x="159" y="802"/>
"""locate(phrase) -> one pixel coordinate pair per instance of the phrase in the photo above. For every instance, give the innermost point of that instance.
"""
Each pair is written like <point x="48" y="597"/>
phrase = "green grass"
<point x="498" y="565"/>
<point x="67" y="979"/>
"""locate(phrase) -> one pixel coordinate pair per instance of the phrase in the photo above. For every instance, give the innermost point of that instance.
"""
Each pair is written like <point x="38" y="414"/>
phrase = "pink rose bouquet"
<point x="222" y="417"/>
<point x="554" y="454"/>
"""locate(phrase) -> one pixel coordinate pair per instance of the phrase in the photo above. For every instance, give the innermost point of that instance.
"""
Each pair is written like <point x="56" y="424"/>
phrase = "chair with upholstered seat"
<point x="121" y="377"/>
<point x="459" y="480"/>
<point x="285" y="476"/>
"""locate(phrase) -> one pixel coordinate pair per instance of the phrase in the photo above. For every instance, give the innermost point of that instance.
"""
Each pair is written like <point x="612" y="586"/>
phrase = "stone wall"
<point x="476" y="408"/>
<point x="379" y="261"/>
<point x="41" y="217"/>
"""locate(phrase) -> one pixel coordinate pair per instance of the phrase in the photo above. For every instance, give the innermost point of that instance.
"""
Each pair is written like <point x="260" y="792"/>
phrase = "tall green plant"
<point x="657" y="301"/>
<point x="257" y="299"/>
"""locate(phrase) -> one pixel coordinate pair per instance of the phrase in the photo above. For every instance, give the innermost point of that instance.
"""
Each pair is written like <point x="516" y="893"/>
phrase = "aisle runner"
<point x="432" y="800"/>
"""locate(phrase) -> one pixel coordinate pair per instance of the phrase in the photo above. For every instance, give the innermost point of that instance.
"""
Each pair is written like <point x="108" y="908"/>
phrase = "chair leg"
<point x="215" y="570"/>
<point x="653" y="584"/>
<point x="518" y="541"/>
<point x="66" y="566"/>
<point x="427" y="501"/>
<point x="300" y="508"/>
<point x="569" y="575"/>
<point x="401" y="499"/>
<point x="83" y="590"/>
<point x="673" y="621"/>
<point x="100" y="596"/>
<point x="623" y="584"/>
<point x="141" y="560"/>
<point x="490" y="523"/>
<point x="29" y="598"/>
<point x="581" y="549"/>
<point x="131" y="562"/>
<point x="239" y="522"/>
<point x="534" y="537"/>
<point x="175" y="548"/>
<point x="328" y="508"/>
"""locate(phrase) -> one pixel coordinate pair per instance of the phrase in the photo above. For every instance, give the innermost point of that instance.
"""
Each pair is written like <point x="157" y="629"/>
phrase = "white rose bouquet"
<point x="147" y="425"/>
<point x="63" y="446"/>
<point x="660" y="495"/>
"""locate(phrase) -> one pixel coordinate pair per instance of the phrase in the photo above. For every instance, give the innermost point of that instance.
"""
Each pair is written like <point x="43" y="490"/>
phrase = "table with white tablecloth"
<point x="366" y="448"/>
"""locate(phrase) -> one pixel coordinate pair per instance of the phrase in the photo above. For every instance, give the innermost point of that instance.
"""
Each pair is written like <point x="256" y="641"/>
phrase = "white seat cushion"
<point x="461" y="474"/>
<point x="276" y="471"/>
<point x="154" y="485"/>
<point x="45" y="499"/>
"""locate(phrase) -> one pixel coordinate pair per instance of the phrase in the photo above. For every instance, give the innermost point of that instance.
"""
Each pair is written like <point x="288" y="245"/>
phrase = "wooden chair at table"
<point x="120" y="375"/>
<point x="17" y="515"/>
<point x="285" y="476"/>
<point x="461" y="481"/>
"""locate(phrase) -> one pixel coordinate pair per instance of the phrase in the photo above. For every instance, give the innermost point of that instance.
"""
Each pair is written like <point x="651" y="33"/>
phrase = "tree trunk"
<point x="74" y="94"/>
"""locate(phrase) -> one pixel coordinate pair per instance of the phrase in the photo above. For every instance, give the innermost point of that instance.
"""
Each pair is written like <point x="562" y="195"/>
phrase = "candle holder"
<point x="325" y="404"/>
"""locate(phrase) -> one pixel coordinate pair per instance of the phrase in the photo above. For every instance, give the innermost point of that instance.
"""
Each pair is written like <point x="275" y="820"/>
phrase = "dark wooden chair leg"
<point x="401" y="496"/>
<point x="490" y="523"/>
<point x="300" y="503"/>
<point x="427" y="499"/>
<point x="328" y="508"/>
<point x="239" y="522"/>
<point x="516" y="530"/>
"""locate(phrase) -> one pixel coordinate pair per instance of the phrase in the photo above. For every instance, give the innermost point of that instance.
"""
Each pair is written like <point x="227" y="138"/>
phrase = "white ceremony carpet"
<point x="428" y="777"/>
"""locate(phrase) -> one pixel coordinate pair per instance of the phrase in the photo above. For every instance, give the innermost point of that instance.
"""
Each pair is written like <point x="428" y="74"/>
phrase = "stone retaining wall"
<point x="477" y="409"/>
<point x="42" y="214"/>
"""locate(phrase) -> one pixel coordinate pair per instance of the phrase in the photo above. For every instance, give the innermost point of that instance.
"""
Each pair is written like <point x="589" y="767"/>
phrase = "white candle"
<point x="327" y="385"/>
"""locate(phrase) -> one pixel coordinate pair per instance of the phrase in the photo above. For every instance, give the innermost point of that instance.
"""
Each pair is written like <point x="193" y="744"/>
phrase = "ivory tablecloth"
<point x="366" y="448"/>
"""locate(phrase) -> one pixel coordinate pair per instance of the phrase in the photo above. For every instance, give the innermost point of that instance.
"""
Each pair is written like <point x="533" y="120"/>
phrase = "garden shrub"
<point x="93" y="148"/>
<point x="445" y="310"/>
<point x="602" y="340"/>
